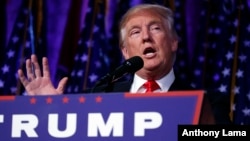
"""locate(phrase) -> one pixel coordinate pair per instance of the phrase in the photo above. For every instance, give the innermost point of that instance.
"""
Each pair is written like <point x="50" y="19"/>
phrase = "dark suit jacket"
<point x="124" y="86"/>
<point x="215" y="108"/>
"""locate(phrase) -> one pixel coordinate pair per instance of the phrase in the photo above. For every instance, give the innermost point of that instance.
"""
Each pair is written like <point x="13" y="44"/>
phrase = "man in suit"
<point x="147" y="31"/>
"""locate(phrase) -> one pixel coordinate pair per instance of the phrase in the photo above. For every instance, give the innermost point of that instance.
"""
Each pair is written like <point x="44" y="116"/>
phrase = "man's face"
<point x="147" y="36"/>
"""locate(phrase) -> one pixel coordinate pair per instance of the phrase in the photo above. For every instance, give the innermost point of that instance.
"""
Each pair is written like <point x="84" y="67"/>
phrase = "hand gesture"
<point x="37" y="83"/>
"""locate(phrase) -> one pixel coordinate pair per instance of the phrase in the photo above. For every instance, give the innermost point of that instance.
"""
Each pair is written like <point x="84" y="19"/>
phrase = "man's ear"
<point x="125" y="52"/>
<point x="174" y="45"/>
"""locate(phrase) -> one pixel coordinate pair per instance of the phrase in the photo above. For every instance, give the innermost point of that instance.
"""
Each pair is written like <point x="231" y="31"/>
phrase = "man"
<point x="145" y="30"/>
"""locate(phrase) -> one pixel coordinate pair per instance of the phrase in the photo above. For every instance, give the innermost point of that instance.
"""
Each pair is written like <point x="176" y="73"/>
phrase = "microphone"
<point x="129" y="66"/>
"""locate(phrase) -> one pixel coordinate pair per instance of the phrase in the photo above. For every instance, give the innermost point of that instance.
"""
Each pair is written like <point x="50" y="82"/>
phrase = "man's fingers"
<point x="22" y="78"/>
<point x="62" y="84"/>
<point x="36" y="66"/>
<point x="46" y="71"/>
<point x="29" y="70"/>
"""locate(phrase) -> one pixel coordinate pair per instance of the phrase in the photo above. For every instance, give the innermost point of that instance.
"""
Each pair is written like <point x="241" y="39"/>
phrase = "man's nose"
<point x="146" y="36"/>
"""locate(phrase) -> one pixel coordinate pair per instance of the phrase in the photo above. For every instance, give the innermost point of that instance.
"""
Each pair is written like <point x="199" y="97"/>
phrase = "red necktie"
<point x="151" y="85"/>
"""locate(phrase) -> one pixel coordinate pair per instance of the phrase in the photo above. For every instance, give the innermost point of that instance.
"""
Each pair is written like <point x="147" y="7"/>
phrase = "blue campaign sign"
<point x="98" y="117"/>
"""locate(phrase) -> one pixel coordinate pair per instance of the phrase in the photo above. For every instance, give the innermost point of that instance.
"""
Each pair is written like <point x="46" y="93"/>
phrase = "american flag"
<point x="182" y="60"/>
<point x="22" y="44"/>
<point x="91" y="59"/>
<point x="207" y="61"/>
<point x="241" y="89"/>
<point x="222" y="52"/>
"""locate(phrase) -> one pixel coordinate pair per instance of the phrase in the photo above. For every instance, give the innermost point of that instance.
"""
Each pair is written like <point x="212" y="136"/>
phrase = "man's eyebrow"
<point x="149" y="24"/>
<point x="155" y="22"/>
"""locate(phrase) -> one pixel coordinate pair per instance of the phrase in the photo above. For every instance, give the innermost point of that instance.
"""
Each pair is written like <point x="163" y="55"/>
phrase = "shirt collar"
<point x="164" y="82"/>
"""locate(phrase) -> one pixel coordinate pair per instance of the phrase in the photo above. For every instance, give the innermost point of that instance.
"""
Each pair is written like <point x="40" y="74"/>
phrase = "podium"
<point x="99" y="116"/>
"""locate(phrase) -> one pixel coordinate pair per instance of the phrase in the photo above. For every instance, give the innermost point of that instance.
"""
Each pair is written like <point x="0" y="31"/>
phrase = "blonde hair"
<point x="165" y="13"/>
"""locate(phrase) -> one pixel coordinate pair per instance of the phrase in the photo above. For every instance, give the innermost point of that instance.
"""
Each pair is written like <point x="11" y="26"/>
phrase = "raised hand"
<point x="39" y="82"/>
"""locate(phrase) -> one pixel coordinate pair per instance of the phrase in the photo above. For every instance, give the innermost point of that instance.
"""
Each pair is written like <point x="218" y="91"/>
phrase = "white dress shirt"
<point x="164" y="83"/>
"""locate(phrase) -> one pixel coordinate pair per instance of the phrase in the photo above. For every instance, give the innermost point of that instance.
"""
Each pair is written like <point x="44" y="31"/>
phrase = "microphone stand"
<point x="108" y="87"/>
<point x="129" y="66"/>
